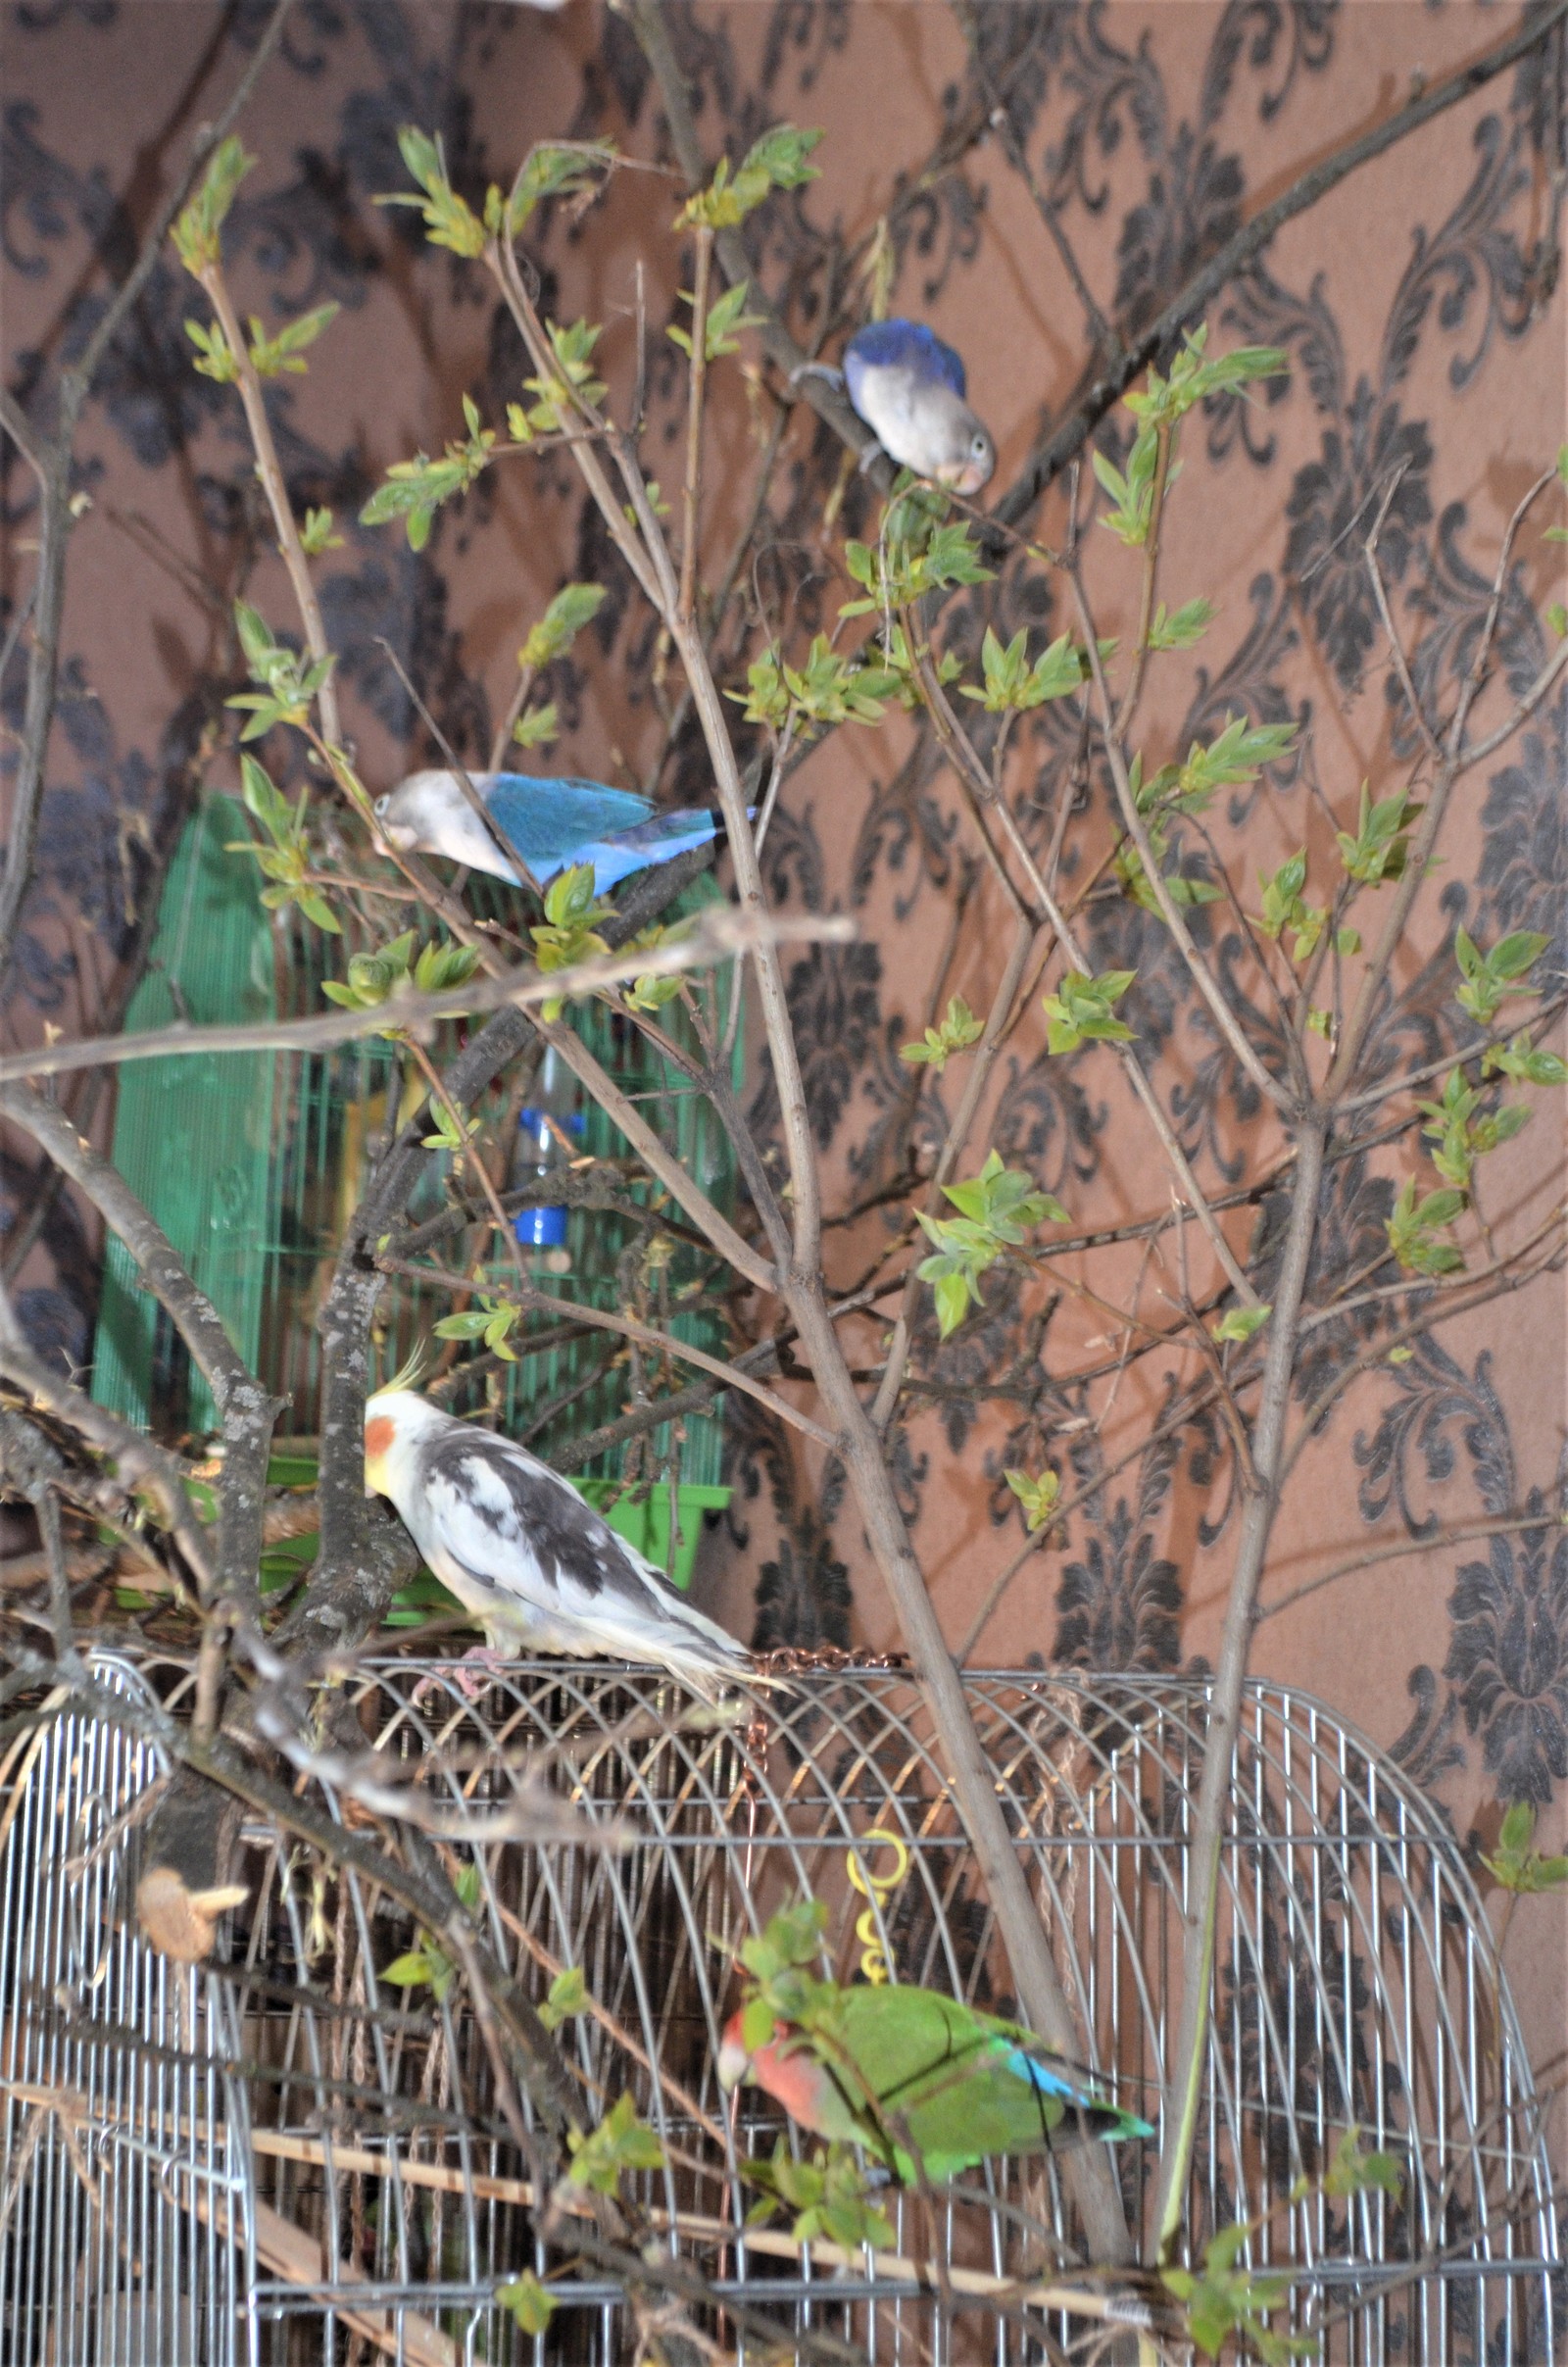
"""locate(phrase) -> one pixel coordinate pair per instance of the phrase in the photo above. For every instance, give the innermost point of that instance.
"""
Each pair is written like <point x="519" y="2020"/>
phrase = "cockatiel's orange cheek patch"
<point x="378" y="1437"/>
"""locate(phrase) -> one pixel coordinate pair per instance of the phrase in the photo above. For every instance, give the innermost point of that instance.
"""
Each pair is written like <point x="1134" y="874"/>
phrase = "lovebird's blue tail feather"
<point x="557" y="824"/>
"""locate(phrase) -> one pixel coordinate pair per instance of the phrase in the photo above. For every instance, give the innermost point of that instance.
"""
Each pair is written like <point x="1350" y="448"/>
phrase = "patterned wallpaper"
<point x="1422" y="312"/>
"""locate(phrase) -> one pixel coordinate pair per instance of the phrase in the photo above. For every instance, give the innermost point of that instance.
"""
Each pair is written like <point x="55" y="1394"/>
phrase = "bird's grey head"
<point x="397" y="813"/>
<point x="971" y="454"/>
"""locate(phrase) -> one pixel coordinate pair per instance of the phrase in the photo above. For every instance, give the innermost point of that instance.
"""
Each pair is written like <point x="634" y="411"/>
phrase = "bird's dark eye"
<point x="383" y="803"/>
<point x="979" y="447"/>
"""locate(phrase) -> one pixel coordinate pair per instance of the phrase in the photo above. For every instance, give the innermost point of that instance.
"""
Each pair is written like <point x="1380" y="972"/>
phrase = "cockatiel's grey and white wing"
<point x="540" y="1568"/>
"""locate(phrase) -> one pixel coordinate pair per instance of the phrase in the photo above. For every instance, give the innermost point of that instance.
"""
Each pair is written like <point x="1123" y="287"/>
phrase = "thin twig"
<point x="1429" y="1542"/>
<point x="269" y="469"/>
<point x="693" y="422"/>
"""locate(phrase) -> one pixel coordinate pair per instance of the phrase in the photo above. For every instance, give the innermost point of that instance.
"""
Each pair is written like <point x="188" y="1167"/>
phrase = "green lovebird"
<point x="896" y="2067"/>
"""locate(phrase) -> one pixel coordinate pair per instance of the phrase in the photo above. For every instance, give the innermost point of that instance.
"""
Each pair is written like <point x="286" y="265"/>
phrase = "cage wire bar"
<point x="125" y="2189"/>
<point x="296" y="2155"/>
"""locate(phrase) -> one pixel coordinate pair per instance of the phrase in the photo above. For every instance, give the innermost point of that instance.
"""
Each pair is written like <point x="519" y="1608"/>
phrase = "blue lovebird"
<point x="552" y="824"/>
<point x="910" y="388"/>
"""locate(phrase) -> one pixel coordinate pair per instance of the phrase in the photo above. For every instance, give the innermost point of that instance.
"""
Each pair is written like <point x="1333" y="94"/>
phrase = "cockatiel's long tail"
<point x="519" y="1548"/>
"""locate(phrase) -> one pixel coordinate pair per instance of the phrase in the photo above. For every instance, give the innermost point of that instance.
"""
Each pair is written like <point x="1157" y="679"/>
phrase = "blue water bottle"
<point x="547" y="1125"/>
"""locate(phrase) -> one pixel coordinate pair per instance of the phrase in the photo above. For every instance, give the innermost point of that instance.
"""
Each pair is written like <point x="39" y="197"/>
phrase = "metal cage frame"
<point x="268" y="2155"/>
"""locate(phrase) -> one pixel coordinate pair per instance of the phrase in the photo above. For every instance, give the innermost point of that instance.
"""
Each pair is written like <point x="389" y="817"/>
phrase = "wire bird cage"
<point x="284" y="2160"/>
<point x="254" y="1162"/>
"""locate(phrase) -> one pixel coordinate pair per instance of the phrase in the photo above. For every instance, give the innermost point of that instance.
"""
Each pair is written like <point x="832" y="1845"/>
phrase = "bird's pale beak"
<point x="967" y="477"/>
<point x="400" y="835"/>
<point x="733" y="2061"/>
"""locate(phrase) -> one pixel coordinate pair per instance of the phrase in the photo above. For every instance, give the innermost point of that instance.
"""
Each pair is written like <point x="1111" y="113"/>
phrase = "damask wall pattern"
<point x="1422" y="311"/>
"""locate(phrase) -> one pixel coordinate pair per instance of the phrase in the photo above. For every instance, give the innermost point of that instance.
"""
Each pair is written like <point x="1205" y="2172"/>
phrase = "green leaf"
<point x="1355" y="2172"/>
<point x="1183" y="628"/>
<point x="555" y="169"/>
<point x="1516" y="1865"/>
<point x="1527" y="1062"/>
<point x="1082" y="1010"/>
<point x="316" y="535"/>
<point x="574" y="607"/>
<point x="557" y="394"/>
<point x="1195" y="378"/>
<point x="1132" y="497"/>
<point x="440" y="967"/>
<point x="1241" y="1323"/>
<point x="214" y="356"/>
<point x="567" y="1998"/>
<point x="960" y="1028"/>
<point x="954" y="1294"/>
<point x="270" y="357"/>
<point x="569" y="932"/>
<point x="1037" y="1497"/>
<point x="776" y="161"/>
<point x="449" y="220"/>
<point x="997" y="1207"/>
<point x="1491" y="978"/>
<point x="527" y="2303"/>
<point x="1518" y="1827"/>
<point x="319" y="912"/>
<point x="1379" y="848"/>
<point x="255" y="640"/>
<point x="408" y="1971"/>
<point x="538" y="728"/>
<point x="413" y="490"/>
<point x="621" y="2143"/>
<point x="469" y="1325"/>
<point x="196" y="232"/>
<point x="1012" y="684"/>
<point x="726" y="319"/>
<point x="1413" y="1226"/>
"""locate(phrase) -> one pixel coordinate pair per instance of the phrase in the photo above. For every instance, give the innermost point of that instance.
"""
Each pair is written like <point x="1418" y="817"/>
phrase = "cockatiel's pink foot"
<point x="465" y="1674"/>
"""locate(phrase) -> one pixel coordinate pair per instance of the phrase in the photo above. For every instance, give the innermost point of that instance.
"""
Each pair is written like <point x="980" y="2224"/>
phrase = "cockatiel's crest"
<point x="519" y="1548"/>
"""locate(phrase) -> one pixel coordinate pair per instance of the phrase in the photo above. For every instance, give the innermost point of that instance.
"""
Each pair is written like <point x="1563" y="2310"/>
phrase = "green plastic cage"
<point x="194" y="1138"/>
<point x="253" y="1165"/>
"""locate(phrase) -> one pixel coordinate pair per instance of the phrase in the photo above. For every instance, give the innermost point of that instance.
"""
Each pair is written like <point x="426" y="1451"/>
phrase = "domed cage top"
<point x="287" y="2159"/>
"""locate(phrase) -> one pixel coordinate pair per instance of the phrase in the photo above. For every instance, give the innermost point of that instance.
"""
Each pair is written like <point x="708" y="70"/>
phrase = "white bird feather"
<point x="521" y="1549"/>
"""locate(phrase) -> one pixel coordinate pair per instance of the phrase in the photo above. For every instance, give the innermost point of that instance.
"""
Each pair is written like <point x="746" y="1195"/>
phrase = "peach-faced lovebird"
<point x="552" y="824"/>
<point x="910" y="388"/>
<point x="517" y="1544"/>
<point x="879" y="2067"/>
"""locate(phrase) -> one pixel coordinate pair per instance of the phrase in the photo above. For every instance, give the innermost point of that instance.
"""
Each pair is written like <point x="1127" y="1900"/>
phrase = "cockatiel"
<point x="552" y="824"/>
<point x="910" y="388"/>
<point x="963" y="2085"/>
<point x="519" y="1548"/>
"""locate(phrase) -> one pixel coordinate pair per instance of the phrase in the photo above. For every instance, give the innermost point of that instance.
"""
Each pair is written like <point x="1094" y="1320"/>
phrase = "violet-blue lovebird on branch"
<point x="910" y="388"/>
<point x="517" y="1545"/>
<point x="552" y="824"/>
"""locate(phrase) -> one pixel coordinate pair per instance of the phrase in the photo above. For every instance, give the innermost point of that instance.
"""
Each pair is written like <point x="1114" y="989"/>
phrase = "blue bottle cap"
<point x="540" y="1228"/>
<point x="538" y="1123"/>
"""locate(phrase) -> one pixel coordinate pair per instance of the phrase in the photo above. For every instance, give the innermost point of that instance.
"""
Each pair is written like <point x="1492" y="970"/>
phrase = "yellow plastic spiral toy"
<point x="874" y="1965"/>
